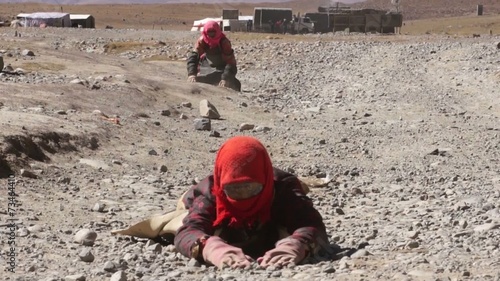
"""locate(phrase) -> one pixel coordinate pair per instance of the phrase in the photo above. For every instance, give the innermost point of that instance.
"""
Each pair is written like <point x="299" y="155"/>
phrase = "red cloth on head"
<point x="243" y="159"/>
<point x="212" y="41"/>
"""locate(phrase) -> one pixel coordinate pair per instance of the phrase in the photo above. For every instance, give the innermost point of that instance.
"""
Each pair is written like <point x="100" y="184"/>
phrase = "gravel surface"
<point x="407" y="127"/>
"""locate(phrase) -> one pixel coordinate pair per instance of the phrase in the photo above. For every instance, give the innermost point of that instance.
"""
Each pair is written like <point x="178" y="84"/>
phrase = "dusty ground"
<point x="408" y="127"/>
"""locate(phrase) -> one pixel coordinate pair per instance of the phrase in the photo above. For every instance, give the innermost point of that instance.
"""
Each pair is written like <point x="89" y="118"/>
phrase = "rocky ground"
<point x="102" y="123"/>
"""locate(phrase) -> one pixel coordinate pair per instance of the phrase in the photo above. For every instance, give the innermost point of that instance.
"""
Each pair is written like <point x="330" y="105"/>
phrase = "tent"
<point x="198" y="24"/>
<point x="48" y="19"/>
<point x="84" y="21"/>
<point x="22" y="16"/>
<point x="225" y="24"/>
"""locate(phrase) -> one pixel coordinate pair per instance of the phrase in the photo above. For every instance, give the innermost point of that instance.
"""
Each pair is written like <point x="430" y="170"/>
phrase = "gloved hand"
<point x="222" y="83"/>
<point x="191" y="78"/>
<point x="221" y="254"/>
<point x="288" y="250"/>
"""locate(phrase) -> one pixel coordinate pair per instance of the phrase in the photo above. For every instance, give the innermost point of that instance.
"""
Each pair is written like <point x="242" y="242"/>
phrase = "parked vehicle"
<point x="271" y="20"/>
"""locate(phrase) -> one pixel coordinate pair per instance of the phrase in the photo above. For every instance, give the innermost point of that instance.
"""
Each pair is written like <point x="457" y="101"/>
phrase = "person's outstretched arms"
<point x="230" y="69"/>
<point x="217" y="252"/>
<point x="193" y="60"/>
<point x="302" y="220"/>
<point x="195" y="239"/>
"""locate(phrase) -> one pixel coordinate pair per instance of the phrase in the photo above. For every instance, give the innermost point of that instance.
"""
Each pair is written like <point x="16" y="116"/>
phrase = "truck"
<point x="271" y="19"/>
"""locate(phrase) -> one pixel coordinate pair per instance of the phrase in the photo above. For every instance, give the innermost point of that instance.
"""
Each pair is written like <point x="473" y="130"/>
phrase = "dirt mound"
<point x="18" y="150"/>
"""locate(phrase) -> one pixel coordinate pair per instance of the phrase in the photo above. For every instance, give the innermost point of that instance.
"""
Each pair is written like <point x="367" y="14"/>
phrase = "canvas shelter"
<point x="198" y="24"/>
<point x="47" y="19"/>
<point x="22" y="16"/>
<point x="83" y="21"/>
<point x="225" y="24"/>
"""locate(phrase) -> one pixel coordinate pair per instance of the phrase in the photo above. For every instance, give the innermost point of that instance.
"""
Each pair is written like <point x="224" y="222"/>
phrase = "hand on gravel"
<point x="192" y="78"/>
<point x="221" y="254"/>
<point x="287" y="251"/>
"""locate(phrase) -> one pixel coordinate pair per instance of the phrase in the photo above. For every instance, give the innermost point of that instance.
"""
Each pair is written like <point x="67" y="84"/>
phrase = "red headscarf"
<point x="243" y="159"/>
<point x="212" y="41"/>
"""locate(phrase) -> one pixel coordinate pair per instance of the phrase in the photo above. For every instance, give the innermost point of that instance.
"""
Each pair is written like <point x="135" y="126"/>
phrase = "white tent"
<point x="226" y="25"/>
<point x="22" y="16"/>
<point x="198" y="24"/>
<point x="48" y="19"/>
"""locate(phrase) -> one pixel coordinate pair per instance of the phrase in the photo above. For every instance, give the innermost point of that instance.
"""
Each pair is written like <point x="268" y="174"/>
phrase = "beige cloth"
<point x="158" y="225"/>
<point x="170" y="222"/>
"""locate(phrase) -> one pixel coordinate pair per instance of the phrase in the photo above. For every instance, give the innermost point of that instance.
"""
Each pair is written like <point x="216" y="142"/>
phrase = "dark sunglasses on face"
<point x="211" y="33"/>
<point x="245" y="190"/>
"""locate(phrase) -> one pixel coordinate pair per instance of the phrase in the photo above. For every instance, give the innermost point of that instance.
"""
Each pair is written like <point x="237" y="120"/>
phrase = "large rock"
<point x="208" y="110"/>
<point x="85" y="237"/>
<point x="28" y="53"/>
<point x="202" y="124"/>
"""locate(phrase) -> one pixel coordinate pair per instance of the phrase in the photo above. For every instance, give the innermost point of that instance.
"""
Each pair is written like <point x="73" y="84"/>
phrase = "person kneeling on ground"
<point x="214" y="47"/>
<point x="248" y="211"/>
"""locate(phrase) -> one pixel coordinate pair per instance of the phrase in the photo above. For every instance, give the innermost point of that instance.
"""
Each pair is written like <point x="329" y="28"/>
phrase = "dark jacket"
<point x="292" y="211"/>
<point x="220" y="57"/>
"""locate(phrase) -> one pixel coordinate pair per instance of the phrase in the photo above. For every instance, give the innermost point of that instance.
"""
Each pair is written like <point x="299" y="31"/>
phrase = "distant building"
<point x="225" y="24"/>
<point x="56" y="20"/>
<point x="47" y="19"/>
<point x="83" y="21"/>
<point x="22" y="16"/>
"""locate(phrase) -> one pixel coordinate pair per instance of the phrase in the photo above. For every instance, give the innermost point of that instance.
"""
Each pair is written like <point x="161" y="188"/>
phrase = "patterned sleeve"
<point x="199" y="220"/>
<point x="194" y="57"/>
<point x="296" y="212"/>
<point x="228" y="56"/>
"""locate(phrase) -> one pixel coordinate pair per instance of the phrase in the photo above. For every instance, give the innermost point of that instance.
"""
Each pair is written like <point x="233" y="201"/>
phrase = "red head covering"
<point x="243" y="159"/>
<point x="212" y="41"/>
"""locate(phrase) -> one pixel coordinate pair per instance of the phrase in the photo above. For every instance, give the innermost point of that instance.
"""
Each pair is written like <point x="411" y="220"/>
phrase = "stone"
<point x="361" y="253"/>
<point x="214" y="134"/>
<point x="85" y="237"/>
<point x="110" y="266"/>
<point x="75" y="277"/>
<point x="262" y="129"/>
<point x="413" y="244"/>
<point x="202" y="124"/>
<point x="77" y="81"/>
<point x="166" y="112"/>
<point x="486" y="227"/>
<point x="98" y="207"/>
<point x="163" y="169"/>
<point x="246" y="127"/>
<point x="118" y="276"/>
<point x="28" y="174"/>
<point x="208" y="110"/>
<point x="86" y="255"/>
<point x="27" y="53"/>
<point x="8" y="68"/>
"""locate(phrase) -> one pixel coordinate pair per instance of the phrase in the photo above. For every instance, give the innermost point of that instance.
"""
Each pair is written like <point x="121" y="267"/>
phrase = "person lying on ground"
<point x="214" y="47"/>
<point x="247" y="211"/>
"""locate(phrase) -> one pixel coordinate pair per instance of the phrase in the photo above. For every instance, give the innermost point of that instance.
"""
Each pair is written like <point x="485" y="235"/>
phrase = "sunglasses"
<point x="244" y="190"/>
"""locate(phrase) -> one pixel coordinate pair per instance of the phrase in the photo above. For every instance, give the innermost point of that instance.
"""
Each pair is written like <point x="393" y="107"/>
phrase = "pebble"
<point x="86" y="255"/>
<point x="85" y="237"/>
